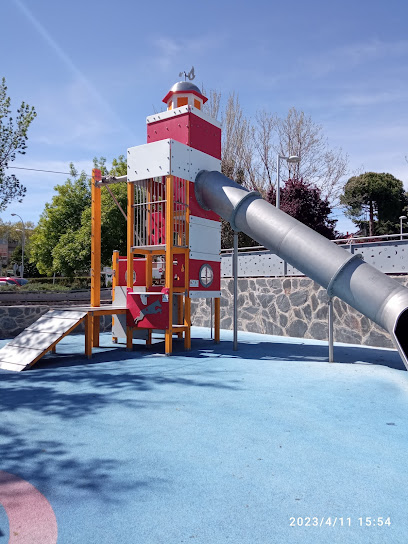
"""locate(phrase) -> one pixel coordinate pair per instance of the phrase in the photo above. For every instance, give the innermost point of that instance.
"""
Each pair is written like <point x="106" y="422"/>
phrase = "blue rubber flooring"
<point x="268" y="444"/>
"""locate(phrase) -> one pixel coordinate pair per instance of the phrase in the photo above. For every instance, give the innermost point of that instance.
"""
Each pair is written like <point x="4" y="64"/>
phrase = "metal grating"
<point x="150" y="213"/>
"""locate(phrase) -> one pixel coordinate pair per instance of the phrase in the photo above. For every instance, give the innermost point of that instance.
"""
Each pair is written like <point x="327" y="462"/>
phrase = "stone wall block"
<point x="297" y="328"/>
<point x="283" y="303"/>
<point x="298" y="298"/>
<point x="319" y="330"/>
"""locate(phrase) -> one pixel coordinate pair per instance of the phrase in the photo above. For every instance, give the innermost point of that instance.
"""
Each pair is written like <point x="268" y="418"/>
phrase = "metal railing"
<point x="387" y="253"/>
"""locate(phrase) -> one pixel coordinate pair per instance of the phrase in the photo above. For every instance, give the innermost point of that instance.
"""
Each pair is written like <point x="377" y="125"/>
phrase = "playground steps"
<point x="39" y="338"/>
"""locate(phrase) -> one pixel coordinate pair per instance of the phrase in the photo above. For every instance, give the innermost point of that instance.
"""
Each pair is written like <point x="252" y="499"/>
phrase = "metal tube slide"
<point x="377" y="296"/>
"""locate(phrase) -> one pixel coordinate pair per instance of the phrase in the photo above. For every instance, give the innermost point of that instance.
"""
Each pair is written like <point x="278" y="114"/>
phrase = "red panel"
<point x="195" y="267"/>
<point x="139" y="271"/>
<point x="176" y="127"/>
<point x="147" y="311"/>
<point x="197" y="210"/>
<point x="205" y="136"/>
<point x="189" y="129"/>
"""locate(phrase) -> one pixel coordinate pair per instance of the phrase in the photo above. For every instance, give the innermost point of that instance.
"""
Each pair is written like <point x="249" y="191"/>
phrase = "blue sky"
<point x="95" y="70"/>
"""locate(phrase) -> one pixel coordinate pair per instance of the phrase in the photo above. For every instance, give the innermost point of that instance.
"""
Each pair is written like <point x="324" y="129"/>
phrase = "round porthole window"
<point x="206" y="275"/>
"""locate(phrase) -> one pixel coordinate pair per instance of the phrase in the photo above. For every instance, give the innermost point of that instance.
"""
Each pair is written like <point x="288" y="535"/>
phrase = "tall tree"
<point x="251" y="146"/>
<point x="304" y="202"/>
<point x="297" y="134"/>
<point x="13" y="140"/>
<point x="381" y="197"/>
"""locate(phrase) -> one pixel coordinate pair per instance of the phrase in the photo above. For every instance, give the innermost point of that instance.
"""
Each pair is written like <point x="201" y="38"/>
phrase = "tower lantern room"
<point x="184" y="93"/>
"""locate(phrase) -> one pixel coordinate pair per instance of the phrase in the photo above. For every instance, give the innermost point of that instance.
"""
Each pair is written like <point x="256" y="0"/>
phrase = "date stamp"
<point x="333" y="521"/>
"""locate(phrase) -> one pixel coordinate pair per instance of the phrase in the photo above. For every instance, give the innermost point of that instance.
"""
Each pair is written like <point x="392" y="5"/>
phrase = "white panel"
<point x="204" y="294"/>
<point x="186" y="162"/>
<point x="168" y="157"/>
<point x="35" y="340"/>
<point x="166" y="114"/>
<point x="120" y="296"/>
<point x="66" y="313"/>
<point x="119" y="326"/>
<point x="19" y="356"/>
<point x="198" y="256"/>
<point x="205" y="239"/>
<point x="180" y="111"/>
<point x="202" y="222"/>
<point x="180" y="160"/>
<point x="202" y="161"/>
<point x="52" y="324"/>
<point x="148" y="161"/>
<point x="11" y="366"/>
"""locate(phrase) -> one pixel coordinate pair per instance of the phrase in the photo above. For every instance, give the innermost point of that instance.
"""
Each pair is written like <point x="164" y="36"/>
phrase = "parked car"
<point x="13" y="281"/>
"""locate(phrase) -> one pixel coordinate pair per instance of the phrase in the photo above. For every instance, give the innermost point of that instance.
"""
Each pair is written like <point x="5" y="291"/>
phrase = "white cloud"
<point x="350" y="56"/>
<point x="372" y="98"/>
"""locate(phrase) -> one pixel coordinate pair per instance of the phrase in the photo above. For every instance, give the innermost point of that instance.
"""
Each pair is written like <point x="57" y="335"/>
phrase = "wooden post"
<point x="169" y="261"/>
<point x="187" y="323"/>
<point x="217" y="320"/>
<point x="88" y="335"/>
<point x="115" y="275"/>
<point x="130" y="243"/>
<point x="96" y="252"/>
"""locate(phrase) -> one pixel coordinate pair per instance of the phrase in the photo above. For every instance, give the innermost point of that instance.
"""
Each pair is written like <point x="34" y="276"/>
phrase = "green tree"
<point x="303" y="201"/>
<point x="381" y="197"/>
<point x="13" y="140"/>
<point x="62" y="240"/>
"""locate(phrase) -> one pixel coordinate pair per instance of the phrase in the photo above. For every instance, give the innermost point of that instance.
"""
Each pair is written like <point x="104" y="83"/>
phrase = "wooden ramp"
<point x="39" y="338"/>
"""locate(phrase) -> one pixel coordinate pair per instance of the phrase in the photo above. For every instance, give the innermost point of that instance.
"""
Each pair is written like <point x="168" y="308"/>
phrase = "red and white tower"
<point x="177" y="242"/>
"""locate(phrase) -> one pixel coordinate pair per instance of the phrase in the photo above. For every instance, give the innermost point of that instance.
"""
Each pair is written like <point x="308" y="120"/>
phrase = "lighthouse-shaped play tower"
<point x="173" y="243"/>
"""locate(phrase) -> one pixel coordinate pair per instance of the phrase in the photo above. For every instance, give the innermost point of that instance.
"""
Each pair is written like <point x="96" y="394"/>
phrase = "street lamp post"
<point x="22" y="245"/>
<point x="292" y="159"/>
<point x="401" y="219"/>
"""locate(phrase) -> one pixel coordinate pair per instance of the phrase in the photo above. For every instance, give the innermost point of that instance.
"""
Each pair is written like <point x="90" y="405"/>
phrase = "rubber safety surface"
<point x="269" y="444"/>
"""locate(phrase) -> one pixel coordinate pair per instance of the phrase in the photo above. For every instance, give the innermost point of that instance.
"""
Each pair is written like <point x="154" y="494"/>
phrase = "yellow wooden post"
<point x="187" y="323"/>
<point x="115" y="276"/>
<point x="217" y="320"/>
<point x="149" y="257"/>
<point x="96" y="251"/>
<point x="130" y="243"/>
<point x="169" y="260"/>
<point x="88" y="335"/>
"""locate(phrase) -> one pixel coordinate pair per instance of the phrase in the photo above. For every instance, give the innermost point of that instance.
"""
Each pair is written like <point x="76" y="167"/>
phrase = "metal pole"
<point x="22" y="252"/>
<point x="401" y="218"/>
<point x="278" y="181"/>
<point x="331" y="329"/>
<point x="235" y="276"/>
<point x="22" y="243"/>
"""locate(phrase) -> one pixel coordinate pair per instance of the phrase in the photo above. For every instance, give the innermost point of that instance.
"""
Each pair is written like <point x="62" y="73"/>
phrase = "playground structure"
<point x="176" y="196"/>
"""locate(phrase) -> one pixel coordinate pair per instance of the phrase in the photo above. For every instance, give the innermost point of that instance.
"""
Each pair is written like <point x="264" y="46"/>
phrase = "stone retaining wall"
<point x="296" y="307"/>
<point x="14" y="319"/>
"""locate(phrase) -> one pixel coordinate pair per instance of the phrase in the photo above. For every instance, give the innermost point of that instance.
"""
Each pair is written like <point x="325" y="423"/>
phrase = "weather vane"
<point x="190" y="75"/>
